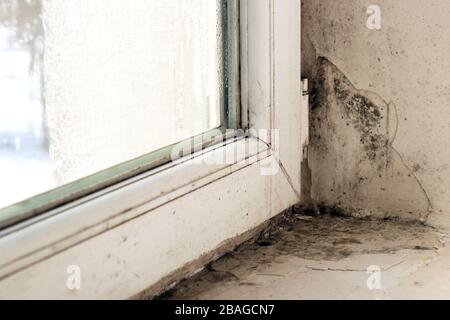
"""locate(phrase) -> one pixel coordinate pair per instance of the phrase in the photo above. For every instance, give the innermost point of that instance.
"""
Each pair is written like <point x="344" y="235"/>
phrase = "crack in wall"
<point x="354" y="166"/>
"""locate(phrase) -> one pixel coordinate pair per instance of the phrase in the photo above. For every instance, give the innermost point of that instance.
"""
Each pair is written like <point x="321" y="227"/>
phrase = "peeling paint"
<point x="354" y="166"/>
<point x="406" y="63"/>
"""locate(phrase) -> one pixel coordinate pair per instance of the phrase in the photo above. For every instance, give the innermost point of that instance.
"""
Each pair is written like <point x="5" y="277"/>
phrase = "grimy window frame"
<point x="166" y="224"/>
<point x="230" y="120"/>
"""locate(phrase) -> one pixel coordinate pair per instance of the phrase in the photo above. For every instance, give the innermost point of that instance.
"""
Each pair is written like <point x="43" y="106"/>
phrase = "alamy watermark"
<point x="374" y="279"/>
<point x="73" y="282"/>
<point x="264" y="150"/>
<point x="374" y="19"/>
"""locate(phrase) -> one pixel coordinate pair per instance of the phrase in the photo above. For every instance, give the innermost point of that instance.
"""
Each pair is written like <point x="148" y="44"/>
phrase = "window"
<point x="164" y="224"/>
<point x="92" y="94"/>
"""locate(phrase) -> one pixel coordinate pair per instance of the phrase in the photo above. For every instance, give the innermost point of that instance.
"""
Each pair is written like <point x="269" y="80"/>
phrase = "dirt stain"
<point x="354" y="164"/>
<point x="322" y="238"/>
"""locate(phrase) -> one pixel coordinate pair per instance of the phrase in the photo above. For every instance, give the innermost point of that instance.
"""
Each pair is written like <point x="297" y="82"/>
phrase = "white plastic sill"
<point x="32" y="241"/>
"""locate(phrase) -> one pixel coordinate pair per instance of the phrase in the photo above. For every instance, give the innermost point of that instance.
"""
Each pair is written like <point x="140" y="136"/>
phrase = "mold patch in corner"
<point x="353" y="163"/>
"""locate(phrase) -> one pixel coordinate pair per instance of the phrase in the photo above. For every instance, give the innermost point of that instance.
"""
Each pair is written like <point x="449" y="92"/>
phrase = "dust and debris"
<point x="326" y="237"/>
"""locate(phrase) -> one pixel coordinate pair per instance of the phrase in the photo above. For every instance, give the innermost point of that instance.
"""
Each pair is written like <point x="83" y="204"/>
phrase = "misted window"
<point x="88" y="85"/>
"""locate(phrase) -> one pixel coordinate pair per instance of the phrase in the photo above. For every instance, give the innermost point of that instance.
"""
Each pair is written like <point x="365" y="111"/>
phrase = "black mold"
<point x="350" y="131"/>
<point x="361" y="112"/>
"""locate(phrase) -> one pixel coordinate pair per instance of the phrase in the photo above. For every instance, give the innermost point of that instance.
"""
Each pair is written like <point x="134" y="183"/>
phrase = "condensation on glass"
<point x="106" y="82"/>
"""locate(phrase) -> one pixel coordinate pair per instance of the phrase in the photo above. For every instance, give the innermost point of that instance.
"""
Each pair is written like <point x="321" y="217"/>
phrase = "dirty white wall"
<point x="381" y="99"/>
<point x="124" y="78"/>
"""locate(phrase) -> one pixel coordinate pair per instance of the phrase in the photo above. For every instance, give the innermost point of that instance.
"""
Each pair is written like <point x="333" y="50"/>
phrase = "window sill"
<point x="39" y="239"/>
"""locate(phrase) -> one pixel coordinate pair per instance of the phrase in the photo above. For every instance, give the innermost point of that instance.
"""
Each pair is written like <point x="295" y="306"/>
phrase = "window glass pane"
<point x="88" y="84"/>
<point x="25" y="164"/>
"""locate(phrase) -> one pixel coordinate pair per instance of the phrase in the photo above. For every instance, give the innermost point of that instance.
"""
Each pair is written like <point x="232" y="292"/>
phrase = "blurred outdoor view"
<point x="108" y="81"/>
<point x="25" y="164"/>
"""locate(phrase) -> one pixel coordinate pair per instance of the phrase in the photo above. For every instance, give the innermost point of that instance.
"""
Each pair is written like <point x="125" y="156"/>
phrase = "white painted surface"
<point x="122" y="203"/>
<point x="123" y="259"/>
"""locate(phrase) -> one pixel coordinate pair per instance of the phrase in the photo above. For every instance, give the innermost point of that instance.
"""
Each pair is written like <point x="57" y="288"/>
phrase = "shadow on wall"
<point x="353" y="164"/>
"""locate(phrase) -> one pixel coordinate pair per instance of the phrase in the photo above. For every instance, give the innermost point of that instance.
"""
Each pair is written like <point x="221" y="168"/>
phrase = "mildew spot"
<point x="365" y="115"/>
<point x="352" y="153"/>
<point x="359" y="110"/>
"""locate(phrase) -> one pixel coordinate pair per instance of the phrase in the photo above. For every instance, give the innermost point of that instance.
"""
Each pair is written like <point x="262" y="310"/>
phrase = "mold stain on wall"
<point x="354" y="166"/>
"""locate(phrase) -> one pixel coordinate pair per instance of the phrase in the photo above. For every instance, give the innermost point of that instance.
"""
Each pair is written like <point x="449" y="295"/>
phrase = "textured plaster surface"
<point x="354" y="166"/>
<point x="403" y="69"/>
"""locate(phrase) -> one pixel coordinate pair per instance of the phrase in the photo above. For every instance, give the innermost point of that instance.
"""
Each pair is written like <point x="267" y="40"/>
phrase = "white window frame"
<point x="140" y="236"/>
